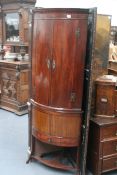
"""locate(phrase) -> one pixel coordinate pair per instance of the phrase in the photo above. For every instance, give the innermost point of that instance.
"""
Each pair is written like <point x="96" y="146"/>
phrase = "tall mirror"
<point x="12" y="27"/>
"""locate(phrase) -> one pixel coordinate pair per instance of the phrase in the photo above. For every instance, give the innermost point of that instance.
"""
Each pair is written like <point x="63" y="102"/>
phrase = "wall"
<point x="103" y="6"/>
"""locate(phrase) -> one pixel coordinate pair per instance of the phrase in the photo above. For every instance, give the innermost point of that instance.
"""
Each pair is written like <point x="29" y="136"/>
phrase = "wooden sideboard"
<point x="14" y="86"/>
<point x="106" y="96"/>
<point x="102" y="147"/>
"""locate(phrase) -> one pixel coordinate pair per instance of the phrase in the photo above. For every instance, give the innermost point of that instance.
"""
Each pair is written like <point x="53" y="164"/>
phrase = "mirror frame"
<point x="4" y="28"/>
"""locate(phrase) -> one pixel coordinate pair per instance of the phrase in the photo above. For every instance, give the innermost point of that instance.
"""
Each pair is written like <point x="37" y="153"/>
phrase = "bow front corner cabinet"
<point x="62" y="44"/>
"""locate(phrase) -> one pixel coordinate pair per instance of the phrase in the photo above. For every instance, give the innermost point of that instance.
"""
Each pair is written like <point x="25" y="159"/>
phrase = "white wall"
<point x="108" y="7"/>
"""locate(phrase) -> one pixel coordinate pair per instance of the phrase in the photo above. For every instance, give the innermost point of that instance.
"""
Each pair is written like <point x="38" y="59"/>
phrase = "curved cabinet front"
<point x="59" y="44"/>
<point x="57" y="128"/>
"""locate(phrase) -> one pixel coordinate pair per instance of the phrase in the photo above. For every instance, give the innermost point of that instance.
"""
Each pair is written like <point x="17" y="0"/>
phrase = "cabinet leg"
<point x="29" y="155"/>
<point x="30" y="149"/>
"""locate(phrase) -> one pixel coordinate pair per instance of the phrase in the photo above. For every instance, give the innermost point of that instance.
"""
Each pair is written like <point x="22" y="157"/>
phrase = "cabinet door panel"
<point x="42" y="44"/>
<point x="69" y="45"/>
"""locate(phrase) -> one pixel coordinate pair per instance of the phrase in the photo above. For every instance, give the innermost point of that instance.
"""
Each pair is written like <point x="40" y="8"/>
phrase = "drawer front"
<point x="109" y="164"/>
<point x="105" y="100"/>
<point x="109" y="132"/>
<point x="109" y="148"/>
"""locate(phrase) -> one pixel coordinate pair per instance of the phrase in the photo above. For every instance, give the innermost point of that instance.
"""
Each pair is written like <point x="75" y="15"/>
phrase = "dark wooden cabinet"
<point x="106" y="92"/>
<point x="14" y="42"/>
<point x="102" y="147"/>
<point x="59" y="66"/>
<point x="57" y="62"/>
<point x="14" y="86"/>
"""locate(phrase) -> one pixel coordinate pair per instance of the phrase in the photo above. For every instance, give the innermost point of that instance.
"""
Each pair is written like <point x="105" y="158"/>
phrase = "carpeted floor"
<point x="13" y="148"/>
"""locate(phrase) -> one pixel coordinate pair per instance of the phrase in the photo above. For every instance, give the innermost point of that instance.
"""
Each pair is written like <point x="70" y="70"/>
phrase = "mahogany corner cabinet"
<point x="62" y="50"/>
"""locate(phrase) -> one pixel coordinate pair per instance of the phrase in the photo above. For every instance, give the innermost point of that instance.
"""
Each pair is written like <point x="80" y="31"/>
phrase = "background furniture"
<point x="62" y="45"/>
<point x="14" y="35"/>
<point x="114" y="34"/>
<point x="102" y="147"/>
<point x="112" y="67"/>
<point x="14" y="17"/>
<point x="14" y="86"/>
<point x="106" y="92"/>
<point x="102" y="41"/>
<point x="101" y="51"/>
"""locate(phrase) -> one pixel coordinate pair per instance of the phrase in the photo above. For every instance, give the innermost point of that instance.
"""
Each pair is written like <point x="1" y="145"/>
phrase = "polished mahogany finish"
<point x="59" y="57"/>
<point x="58" y="74"/>
<point x="56" y="128"/>
<point x="102" y="147"/>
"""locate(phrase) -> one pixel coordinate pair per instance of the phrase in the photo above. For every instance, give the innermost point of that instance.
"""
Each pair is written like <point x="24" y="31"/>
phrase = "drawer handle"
<point x="73" y="97"/>
<point x="104" y="100"/>
<point x="48" y="63"/>
<point x="53" y="64"/>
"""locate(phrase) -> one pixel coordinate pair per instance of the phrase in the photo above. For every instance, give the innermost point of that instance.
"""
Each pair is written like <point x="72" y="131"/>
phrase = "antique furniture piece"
<point x="14" y="33"/>
<point x="102" y="41"/>
<point x="14" y="17"/>
<point x="106" y="100"/>
<point x="59" y="103"/>
<point x="101" y="51"/>
<point x="14" y="86"/>
<point x="102" y="147"/>
<point x="114" y="34"/>
<point x="112" y="67"/>
<point x="14" y="26"/>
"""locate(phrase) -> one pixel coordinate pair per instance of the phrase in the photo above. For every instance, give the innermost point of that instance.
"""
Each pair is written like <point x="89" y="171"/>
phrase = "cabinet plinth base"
<point x="18" y="110"/>
<point x="57" y="159"/>
<point x="53" y="156"/>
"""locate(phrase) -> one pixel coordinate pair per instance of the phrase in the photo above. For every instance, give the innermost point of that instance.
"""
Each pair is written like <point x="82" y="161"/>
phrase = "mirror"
<point x="12" y="27"/>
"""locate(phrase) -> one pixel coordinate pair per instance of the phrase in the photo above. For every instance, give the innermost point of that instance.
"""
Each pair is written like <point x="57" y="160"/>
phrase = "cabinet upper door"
<point x="41" y="56"/>
<point x="69" y="48"/>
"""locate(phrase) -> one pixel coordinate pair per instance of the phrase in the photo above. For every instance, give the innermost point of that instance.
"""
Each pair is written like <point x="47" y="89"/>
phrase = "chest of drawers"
<point x="102" y="147"/>
<point x="106" y="92"/>
<point x="14" y="86"/>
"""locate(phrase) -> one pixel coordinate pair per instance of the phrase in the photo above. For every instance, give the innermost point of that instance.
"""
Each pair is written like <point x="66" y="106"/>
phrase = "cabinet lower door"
<point x="56" y="128"/>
